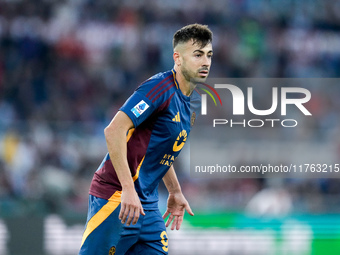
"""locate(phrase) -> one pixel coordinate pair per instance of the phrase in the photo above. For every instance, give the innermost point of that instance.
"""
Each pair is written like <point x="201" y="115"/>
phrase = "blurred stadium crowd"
<point x="66" y="67"/>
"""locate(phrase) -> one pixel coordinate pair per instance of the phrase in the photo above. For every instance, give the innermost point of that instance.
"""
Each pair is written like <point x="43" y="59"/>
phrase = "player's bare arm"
<point x="177" y="204"/>
<point x="115" y="135"/>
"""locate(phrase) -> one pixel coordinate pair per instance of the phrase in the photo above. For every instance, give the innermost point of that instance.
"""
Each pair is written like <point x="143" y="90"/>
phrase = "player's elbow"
<point x="119" y="125"/>
<point x="109" y="130"/>
<point x="114" y="129"/>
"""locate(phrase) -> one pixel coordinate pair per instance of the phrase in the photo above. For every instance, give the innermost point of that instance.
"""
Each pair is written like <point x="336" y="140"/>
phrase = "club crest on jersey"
<point x="112" y="251"/>
<point x="139" y="108"/>
<point x="193" y="118"/>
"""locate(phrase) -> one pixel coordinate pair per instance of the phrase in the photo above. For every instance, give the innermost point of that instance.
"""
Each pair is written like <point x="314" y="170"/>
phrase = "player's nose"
<point x="206" y="61"/>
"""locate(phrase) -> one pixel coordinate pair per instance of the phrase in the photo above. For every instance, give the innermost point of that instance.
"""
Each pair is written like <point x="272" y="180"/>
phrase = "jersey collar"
<point x="175" y="80"/>
<point x="186" y="98"/>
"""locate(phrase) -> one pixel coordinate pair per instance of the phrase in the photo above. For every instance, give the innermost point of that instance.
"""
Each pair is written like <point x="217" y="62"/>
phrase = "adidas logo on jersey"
<point x="177" y="118"/>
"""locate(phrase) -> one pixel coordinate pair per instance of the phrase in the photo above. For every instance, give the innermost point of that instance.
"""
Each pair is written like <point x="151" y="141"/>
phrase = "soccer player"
<point x="143" y="140"/>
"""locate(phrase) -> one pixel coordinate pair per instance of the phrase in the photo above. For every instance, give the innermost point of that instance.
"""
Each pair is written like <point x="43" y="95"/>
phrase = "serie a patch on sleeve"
<point x="139" y="108"/>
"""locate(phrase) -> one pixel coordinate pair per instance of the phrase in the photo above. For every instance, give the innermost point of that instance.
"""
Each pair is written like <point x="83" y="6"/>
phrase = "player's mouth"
<point x="204" y="72"/>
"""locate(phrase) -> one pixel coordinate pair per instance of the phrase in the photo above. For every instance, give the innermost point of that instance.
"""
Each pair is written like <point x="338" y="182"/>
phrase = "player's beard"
<point x="193" y="77"/>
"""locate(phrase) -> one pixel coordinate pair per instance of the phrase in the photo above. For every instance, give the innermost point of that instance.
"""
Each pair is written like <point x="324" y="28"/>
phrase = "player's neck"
<point x="185" y="86"/>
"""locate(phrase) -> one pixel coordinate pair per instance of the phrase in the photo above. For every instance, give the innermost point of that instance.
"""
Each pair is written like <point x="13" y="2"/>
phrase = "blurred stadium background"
<point x="67" y="66"/>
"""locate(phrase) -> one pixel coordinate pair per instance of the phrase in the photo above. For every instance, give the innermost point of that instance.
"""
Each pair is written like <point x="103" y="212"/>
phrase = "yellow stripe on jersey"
<point x="129" y="134"/>
<point x="174" y="74"/>
<point x="138" y="168"/>
<point x="102" y="214"/>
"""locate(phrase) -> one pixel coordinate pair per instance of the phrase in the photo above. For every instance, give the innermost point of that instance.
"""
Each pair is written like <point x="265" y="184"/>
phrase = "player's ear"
<point x="177" y="58"/>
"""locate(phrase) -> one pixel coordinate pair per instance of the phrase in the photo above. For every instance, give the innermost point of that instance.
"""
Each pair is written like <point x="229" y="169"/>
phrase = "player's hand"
<point x="177" y="204"/>
<point x="131" y="207"/>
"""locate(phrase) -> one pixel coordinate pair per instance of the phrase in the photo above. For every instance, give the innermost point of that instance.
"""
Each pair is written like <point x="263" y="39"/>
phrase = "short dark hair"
<point x="200" y="34"/>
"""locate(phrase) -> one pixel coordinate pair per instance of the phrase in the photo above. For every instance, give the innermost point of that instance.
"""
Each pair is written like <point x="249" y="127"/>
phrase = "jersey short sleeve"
<point x="138" y="108"/>
<point x="141" y="104"/>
